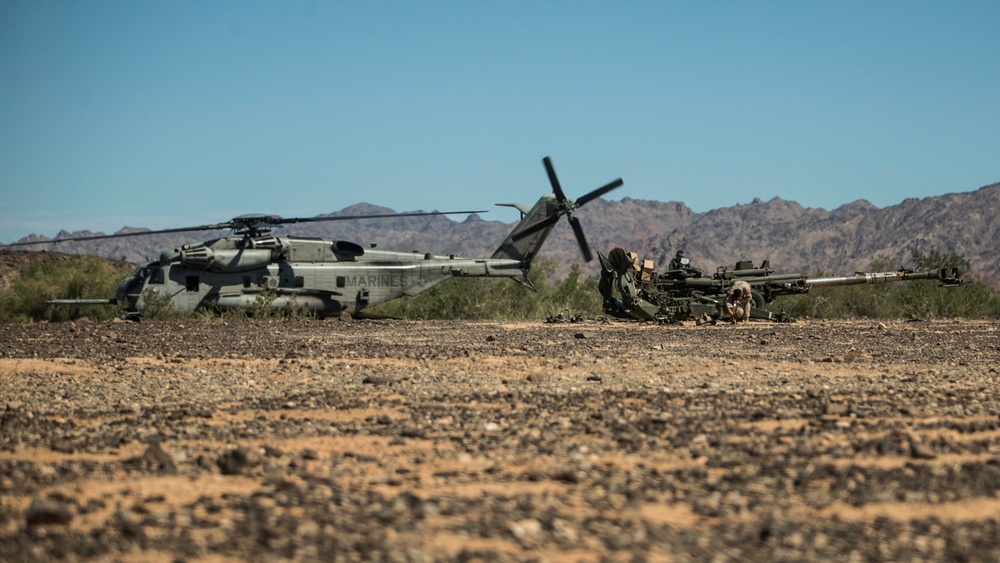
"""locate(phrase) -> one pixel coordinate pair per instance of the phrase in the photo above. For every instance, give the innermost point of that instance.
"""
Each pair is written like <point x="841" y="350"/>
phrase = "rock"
<point x="157" y="458"/>
<point x="129" y="524"/>
<point x="921" y="451"/>
<point x="837" y="409"/>
<point x="49" y="511"/>
<point x="379" y="380"/>
<point x="526" y="531"/>
<point x="271" y="451"/>
<point x="236" y="460"/>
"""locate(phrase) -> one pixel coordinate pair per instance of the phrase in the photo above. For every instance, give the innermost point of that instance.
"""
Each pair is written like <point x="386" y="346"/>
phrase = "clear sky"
<point x="170" y="114"/>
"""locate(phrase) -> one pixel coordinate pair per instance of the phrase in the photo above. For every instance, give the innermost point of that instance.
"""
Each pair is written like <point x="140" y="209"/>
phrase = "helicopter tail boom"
<point x="524" y="242"/>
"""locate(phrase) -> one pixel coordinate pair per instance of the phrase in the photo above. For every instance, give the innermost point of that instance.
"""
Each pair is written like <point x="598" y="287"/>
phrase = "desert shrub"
<point x="261" y="308"/>
<point x="77" y="277"/>
<point x="501" y="299"/>
<point x="83" y="277"/>
<point x="917" y="298"/>
<point x="157" y="306"/>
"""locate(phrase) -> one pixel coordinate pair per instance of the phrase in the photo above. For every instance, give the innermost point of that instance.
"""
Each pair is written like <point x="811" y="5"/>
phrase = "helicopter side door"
<point x="187" y="287"/>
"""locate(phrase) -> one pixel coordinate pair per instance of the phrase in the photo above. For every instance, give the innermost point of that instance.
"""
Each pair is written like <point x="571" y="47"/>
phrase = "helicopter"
<point x="327" y="277"/>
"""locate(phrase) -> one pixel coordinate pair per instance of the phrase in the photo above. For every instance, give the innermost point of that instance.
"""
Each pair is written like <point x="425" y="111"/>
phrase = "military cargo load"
<point x="631" y="290"/>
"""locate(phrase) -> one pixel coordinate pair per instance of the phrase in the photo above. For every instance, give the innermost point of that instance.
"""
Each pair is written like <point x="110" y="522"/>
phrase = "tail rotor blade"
<point x="556" y="188"/>
<point x="599" y="192"/>
<point x="580" y="239"/>
<point x="548" y="221"/>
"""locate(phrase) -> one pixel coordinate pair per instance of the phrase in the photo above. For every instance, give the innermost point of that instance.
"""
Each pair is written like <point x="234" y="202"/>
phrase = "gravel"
<point x="431" y="441"/>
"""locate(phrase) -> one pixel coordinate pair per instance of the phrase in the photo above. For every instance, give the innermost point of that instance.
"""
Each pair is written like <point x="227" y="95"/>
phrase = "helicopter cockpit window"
<point x="156" y="276"/>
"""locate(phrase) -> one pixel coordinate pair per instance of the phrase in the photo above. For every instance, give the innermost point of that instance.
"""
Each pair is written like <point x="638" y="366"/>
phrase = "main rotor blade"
<point x="216" y="226"/>
<point x="293" y="220"/>
<point x="548" y="221"/>
<point x="599" y="192"/>
<point x="237" y="222"/>
<point x="556" y="188"/>
<point x="580" y="239"/>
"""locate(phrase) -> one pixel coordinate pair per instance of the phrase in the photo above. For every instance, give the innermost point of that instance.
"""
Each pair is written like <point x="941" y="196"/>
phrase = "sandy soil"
<point x="431" y="441"/>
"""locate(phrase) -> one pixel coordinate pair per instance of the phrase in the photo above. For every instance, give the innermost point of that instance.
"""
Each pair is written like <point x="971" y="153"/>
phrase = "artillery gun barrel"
<point x="947" y="276"/>
<point x="752" y="273"/>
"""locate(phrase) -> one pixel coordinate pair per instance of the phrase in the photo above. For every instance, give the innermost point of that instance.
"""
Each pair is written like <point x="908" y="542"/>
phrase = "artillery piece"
<point x="688" y="293"/>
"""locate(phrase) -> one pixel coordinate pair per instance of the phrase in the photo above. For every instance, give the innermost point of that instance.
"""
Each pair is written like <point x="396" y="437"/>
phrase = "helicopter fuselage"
<point x="325" y="276"/>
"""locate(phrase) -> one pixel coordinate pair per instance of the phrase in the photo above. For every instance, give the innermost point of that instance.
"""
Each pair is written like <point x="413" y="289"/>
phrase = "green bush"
<point x="78" y="277"/>
<point x="157" y="306"/>
<point x="918" y="298"/>
<point x="89" y="277"/>
<point x="501" y="299"/>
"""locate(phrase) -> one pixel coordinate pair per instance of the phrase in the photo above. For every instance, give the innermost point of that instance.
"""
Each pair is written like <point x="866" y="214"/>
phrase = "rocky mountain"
<point x="792" y="237"/>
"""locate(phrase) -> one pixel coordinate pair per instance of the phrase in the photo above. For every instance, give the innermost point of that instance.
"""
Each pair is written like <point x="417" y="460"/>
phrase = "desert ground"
<point x="481" y="441"/>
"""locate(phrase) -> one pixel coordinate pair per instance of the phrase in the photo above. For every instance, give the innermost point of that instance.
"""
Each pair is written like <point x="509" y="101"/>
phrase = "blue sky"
<point x="170" y="114"/>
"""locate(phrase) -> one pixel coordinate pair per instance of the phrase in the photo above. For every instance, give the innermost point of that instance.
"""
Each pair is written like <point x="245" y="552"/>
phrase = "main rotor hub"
<point x="254" y="224"/>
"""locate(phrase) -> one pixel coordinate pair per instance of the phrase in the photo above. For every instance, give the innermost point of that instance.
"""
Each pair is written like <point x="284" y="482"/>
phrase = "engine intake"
<point x="228" y="260"/>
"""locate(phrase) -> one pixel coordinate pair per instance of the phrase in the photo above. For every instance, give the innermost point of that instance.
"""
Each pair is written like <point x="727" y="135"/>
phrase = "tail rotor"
<point x="567" y="207"/>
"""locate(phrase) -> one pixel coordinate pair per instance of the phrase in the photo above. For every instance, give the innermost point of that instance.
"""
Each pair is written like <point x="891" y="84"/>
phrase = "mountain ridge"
<point x="794" y="238"/>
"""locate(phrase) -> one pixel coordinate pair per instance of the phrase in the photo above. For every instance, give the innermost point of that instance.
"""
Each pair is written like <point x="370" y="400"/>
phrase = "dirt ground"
<point x="438" y="441"/>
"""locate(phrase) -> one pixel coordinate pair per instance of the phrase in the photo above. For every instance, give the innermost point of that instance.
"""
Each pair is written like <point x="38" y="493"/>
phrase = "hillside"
<point x="794" y="238"/>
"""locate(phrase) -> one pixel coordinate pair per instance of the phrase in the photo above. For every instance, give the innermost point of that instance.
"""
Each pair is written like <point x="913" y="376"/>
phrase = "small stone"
<point x="129" y="525"/>
<point x="48" y="512"/>
<point x="837" y="409"/>
<point x="525" y="530"/>
<point x="920" y="451"/>
<point x="236" y="460"/>
<point x="379" y="380"/>
<point x="271" y="451"/>
<point x="158" y="458"/>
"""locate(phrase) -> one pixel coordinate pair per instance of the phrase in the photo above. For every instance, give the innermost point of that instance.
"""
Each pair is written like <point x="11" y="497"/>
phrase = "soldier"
<point x="679" y="262"/>
<point x="738" y="301"/>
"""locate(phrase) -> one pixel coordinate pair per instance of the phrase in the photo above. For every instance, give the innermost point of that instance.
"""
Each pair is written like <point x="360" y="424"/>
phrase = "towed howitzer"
<point x="688" y="293"/>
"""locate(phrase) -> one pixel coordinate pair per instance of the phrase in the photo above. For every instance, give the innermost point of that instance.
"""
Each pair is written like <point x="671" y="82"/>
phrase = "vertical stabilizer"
<point x="524" y="247"/>
<point x="524" y="242"/>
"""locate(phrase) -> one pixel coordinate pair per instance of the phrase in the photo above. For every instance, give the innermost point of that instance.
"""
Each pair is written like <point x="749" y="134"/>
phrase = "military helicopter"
<point x="327" y="277"/>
